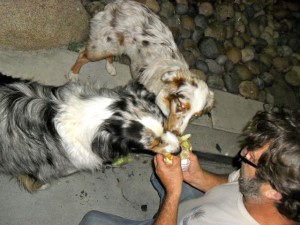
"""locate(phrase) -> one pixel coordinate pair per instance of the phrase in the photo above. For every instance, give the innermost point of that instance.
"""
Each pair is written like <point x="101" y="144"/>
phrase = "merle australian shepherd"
<point x="128" y="27"/>
<point x="48" y="132"/>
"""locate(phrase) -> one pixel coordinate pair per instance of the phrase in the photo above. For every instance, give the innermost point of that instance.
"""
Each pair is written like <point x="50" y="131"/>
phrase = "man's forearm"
<point x="168" y="211"/>
<point x="207" y="180"/>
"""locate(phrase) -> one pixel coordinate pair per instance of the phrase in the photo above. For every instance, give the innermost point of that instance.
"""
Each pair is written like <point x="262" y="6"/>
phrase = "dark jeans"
<point x="100" y="218"/>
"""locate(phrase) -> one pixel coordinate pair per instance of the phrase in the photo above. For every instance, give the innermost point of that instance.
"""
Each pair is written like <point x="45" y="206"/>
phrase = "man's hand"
<point x="201" y="179"/>
<point x="171" y="177"/>
<point x="194" y="173"/>
<point x="169" y="174"/>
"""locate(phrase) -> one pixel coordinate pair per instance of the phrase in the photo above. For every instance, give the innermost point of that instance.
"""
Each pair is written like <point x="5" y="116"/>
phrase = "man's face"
<point x="248" y="183"/>
<point x="249" y="186"/>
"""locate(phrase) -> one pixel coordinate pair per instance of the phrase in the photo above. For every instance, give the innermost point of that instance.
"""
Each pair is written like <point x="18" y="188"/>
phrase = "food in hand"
<point x="186" y="147"/>
<point x="168" y="158"/>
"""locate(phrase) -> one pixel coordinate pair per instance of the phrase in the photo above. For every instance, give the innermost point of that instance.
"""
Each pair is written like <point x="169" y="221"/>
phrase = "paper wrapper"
<point x="186" y="148"/>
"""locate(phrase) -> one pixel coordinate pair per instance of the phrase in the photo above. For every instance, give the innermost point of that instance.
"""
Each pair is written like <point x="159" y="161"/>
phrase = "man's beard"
<point x="249" y="187"/>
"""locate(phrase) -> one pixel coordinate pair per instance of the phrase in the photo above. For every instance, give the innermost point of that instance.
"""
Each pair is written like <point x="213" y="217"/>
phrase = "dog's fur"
<point x="128" y="27"/>
<point x="48" y="132"/>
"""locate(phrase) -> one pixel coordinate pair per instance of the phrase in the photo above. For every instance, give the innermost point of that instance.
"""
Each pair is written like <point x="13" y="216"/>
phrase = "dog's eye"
<point x="179" y="105"/>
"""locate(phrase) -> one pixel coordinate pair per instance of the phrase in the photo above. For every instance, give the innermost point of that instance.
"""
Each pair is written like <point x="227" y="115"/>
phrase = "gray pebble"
<point x="197" y="35"/>
<point x="259" y="82"/>
<point x="215" y="81"/>
<point x="182" y="9"/>
<point x="229" y="65"/>
<point x="209" y="48"/>
<point x="232" y="83"/>
<point x="267" y="78"/>
<point x="200" y="21"/>
<point x="202" y="65"/>
<point x="214" y="67"/>
<point x="221" y="60"/>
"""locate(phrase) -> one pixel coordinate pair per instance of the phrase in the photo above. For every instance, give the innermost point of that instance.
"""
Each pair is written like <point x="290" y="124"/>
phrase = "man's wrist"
<point x="173" y="194"/>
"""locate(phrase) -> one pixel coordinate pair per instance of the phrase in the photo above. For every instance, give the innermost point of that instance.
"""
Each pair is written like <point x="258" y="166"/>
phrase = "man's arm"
<point x="201" y="179"/>
<point x="168" y="211"/>
<point x="171" y="178"/>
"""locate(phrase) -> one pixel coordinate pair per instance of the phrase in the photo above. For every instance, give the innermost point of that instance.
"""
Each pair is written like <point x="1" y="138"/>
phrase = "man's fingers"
<point x="159" y="160"/>
<point x="193" y="157"/>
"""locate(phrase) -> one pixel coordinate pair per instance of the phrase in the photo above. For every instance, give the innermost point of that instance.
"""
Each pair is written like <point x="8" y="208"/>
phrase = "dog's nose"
<point x="178" y="152"/>
<point x="176" y="132"/>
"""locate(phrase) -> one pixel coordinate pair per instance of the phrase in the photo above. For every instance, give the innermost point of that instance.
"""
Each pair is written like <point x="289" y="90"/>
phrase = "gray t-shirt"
<point x="221" y="205"/>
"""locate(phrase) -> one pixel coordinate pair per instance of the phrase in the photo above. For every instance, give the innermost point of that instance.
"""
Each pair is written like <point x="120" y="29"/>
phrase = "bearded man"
<point x="266" y="189"/>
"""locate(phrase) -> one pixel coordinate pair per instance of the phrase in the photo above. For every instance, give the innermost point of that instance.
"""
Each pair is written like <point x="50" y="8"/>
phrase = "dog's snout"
<point x="177" y="152"/>
<point x="176" y="132"/>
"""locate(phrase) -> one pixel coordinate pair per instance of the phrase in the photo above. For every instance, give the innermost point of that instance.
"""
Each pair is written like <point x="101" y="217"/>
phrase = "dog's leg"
<point x="31" y="184"/>
<point x="91" y="56"/>
<point x="81" y="60"/>
<point x="110" y="67"/>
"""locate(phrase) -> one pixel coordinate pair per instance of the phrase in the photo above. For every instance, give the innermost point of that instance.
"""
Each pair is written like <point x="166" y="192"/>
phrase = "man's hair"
<point x="280" y="164"/>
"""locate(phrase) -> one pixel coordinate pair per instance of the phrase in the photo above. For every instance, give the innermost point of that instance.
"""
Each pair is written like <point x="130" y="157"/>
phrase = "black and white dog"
<point x="48" y="132"/>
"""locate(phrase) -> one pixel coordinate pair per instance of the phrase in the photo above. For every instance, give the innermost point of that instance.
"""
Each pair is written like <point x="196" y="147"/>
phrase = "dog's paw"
<point x="43" y="187"/>
<point x="31" y="184"/>
<point x="72" y="77"/>
<point x="111" y="69"/>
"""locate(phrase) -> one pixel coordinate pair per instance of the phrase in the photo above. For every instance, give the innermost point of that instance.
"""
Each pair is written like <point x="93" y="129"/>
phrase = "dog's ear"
<point x="140" y="91"/>
<point x="169" y="76"/>
<point x="101" y="145"/>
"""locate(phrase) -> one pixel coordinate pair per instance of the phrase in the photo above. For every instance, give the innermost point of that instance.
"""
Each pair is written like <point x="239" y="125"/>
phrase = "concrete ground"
<point x="125" y="190"/>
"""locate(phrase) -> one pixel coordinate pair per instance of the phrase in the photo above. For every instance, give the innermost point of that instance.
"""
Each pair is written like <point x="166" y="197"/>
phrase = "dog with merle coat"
<point x="49" y="132"/>
<point x="131" y="28"/>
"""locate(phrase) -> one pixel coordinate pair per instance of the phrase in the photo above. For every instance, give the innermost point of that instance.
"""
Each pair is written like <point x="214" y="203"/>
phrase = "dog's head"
<point x="135" y="123"/>
<point x="117" y="137"/>
<point x="184" y="98"/>
<point x="156" y="139"/>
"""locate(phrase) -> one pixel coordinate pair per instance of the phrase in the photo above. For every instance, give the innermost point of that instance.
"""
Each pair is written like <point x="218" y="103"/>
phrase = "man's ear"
<point x="271" y="193"/>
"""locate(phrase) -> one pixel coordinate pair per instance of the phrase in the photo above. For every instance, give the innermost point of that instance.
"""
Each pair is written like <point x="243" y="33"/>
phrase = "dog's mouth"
<point x="177" y="153"/>
<point x="160" y="151"/>
<point x="176" y="132"/>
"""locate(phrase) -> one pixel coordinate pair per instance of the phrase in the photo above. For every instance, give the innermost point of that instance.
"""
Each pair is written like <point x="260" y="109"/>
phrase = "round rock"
<point x="209" y="48"/>
<point x="35" y="24"/>
<point x="206" y="9"/>
<point x="247" y="54"/>
<point x="293" y="76"/>
<point x="248" y="89"/>
<point x="234" y="54"/>
<point x="243" y="72"/>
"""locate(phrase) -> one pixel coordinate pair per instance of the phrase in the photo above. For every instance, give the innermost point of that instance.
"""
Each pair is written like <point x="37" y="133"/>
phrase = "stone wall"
<point x="249" y="47"/>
